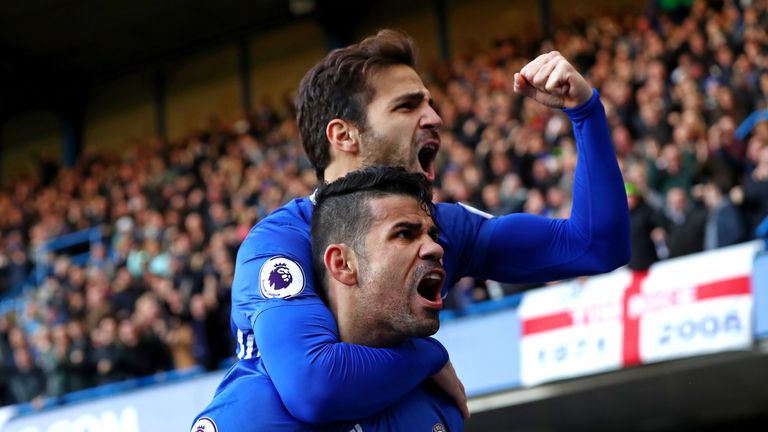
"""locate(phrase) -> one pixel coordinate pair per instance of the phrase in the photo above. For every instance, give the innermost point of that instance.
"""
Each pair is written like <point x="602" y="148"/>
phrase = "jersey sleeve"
<point x="319" y="379"/>
<point x="520" y="248"/>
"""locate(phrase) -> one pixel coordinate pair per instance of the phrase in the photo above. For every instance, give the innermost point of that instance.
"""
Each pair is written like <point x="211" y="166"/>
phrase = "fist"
<point x="552" y="81"/>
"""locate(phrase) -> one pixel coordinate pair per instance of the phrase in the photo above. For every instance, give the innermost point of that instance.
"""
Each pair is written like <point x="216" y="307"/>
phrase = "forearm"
<point x="599" y="208"/>
<point x="320" y="379"/>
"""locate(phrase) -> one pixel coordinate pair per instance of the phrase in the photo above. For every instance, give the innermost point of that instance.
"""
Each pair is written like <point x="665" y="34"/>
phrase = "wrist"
<point x="583" y="110"/>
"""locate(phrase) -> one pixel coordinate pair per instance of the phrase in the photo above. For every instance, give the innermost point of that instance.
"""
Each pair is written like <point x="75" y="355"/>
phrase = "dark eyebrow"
<point x="433" y="231"/>
<point x="413" y="97"/>
<point x="410" y="226"/>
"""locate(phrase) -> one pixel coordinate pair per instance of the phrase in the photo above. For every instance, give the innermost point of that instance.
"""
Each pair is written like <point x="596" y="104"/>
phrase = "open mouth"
<point x="427" y="156"/>
<point x="430" y="288"/>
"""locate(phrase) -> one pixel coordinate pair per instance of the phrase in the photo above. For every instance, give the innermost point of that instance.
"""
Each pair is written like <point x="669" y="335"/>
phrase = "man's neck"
<point x="340" y="167"/>
<point x="375" y="337"/>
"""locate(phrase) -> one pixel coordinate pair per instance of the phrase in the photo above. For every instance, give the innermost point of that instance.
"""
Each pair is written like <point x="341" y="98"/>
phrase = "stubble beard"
<point x="392" y="321"/>
<point x="375" y="150"/>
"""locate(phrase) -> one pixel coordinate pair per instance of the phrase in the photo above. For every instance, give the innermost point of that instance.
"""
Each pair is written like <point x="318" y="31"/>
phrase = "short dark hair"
<point x="342" y="213"/>
<point x="338" y="87"/>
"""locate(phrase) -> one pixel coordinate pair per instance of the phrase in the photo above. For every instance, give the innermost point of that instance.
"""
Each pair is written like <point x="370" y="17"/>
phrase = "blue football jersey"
<point x="250" y="403"/>
<point x="283" y="328"/>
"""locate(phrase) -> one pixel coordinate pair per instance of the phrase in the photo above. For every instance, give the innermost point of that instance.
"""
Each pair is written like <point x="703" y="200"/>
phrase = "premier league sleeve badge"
<point x="204" y="424"/>
<point x="281" y="277"/>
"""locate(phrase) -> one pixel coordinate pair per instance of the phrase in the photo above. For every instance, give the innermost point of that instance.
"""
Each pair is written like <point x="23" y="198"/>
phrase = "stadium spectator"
<point x="105" y="351"/>
<point x="724" y="225"/>
<point x="27" y="381"/>
<point x="684" y="224"/>
<point x="645" y="230"/>
<point x="136" y="355"/>
<point x="673" y="168"/>
<point x="51" y="356"/>
<point x="6" y="360"/>
<point x="79" y="356"/>
<point x="753" y="196"/>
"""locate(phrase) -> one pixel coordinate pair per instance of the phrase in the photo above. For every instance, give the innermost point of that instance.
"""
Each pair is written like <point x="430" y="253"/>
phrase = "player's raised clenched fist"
<point x="552" y="81"/>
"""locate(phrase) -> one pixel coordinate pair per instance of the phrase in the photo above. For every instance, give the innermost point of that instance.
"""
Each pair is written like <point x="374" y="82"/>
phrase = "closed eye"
<point x="406" y="106"/>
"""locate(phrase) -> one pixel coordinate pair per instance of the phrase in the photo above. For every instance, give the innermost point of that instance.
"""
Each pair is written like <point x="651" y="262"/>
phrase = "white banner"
<point x="694" y="305"/>
<point x="572" y="329"/>
<point x="682" y="307"/>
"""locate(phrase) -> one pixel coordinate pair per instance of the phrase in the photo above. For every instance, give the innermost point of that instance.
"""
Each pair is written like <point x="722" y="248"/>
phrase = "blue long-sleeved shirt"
<point x="250" y="403"/>
<point x="283" y="327"/>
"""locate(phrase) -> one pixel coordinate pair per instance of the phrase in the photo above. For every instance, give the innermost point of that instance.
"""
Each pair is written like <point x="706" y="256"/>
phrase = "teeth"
<point x="433" y="276"/>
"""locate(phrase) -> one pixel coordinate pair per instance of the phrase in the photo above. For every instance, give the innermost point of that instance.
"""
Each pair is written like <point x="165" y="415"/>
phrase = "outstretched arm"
<point x="595" y="238"/>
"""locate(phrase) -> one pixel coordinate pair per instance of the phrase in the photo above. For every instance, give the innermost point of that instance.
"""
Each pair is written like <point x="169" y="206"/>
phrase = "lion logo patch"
<point x="281" y="277"/>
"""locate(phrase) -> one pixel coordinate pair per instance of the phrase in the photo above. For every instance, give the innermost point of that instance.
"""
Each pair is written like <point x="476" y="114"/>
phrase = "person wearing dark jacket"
<point x="724" y="226"/>
<point x="27" y="382"/>
<point x="684" y="224"/>
<point x="644" y="223"/>
<point x="755" y="191"/>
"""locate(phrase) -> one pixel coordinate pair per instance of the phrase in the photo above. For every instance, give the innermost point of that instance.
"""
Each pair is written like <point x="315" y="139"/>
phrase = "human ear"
<point x="343" y="136"/>
<point x="341" y="263"/>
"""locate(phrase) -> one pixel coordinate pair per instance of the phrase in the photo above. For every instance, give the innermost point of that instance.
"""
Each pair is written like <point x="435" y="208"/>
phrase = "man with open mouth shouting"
<point x="365" y="105"/>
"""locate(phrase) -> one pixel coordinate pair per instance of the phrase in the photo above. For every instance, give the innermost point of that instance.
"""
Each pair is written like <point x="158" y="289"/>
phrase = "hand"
<point x="450" y="383"/>
<point x="737" y="195"/>
<point x="760" y="174"/>
<point x="550" y="80"/>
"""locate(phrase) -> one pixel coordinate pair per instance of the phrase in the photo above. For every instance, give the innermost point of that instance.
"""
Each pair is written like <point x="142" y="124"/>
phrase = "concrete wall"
<point x="120" y="113"/>
<point x="33" y="133"/>
<point x="281" y="58"/>
<point x="201" y="87"/>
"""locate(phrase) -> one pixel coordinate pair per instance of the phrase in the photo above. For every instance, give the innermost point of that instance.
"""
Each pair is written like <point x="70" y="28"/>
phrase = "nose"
<point x="431" y="119"/>
<point x="431" y="250"/>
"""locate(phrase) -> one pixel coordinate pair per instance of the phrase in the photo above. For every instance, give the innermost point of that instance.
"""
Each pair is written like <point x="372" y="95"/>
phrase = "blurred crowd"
<point x="154" y="294"/>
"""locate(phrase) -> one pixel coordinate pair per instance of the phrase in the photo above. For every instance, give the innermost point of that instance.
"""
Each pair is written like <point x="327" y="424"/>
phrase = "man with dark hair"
<point x="365" y="105"/>
<point x="333" y="97"/>
<point x="378" y="266"/>
<point x="343" y="212"/>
